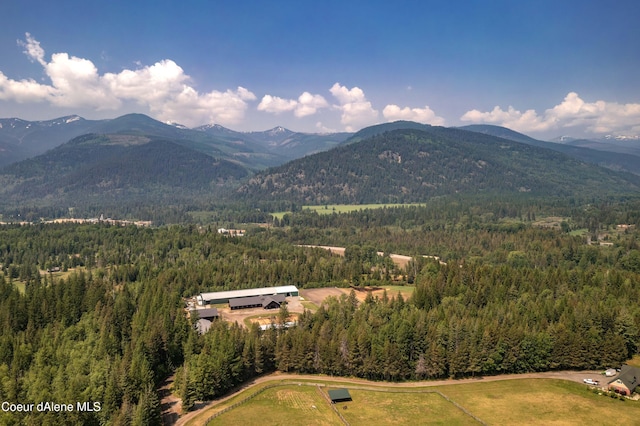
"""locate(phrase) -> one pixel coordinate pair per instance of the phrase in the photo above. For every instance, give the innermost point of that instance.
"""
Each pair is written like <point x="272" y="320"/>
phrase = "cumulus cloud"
<point x="421" y="115"/>
<point x="309" y="104"/>
<point x="163" y="88"/>
<point x="33" y="49"/>
<point x="357" y="111"/>
<point x="23" y="91"/>
<point x="597" y="117"/>
<point x="306" y="104"/>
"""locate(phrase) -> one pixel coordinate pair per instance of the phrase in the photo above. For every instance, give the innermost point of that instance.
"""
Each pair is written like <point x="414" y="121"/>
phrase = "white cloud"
<point x="357" y="111"/>
<point x="597" y="117"/>
<point x="276" y="105"/>
<point x="307" y="104"/>
<point x="33" y="49"/>
<point x="420" y="115"/>
<point x="163" y="88"/>
<point x="23" y="91"/>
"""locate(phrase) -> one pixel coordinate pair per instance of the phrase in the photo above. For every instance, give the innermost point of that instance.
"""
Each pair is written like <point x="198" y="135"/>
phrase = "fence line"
<point x="236" y="404"/>
<point x="333" y="406"/>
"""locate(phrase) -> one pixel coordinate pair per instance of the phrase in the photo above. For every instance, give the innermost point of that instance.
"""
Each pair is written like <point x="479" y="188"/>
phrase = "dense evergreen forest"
<point x="520" y="289"/>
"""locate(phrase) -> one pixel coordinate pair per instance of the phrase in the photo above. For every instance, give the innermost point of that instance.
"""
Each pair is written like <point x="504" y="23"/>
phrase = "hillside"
<point x="106" y="167"/>
<point x="605" y="155"/>
<point x="279" y="141"/>
<point x="21" y="139"/>
<point x="409" y="165"/>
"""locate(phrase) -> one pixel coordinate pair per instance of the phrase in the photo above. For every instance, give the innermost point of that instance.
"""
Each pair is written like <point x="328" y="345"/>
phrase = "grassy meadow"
<point x="346" y="208"/>
<point x="520" y="401"/>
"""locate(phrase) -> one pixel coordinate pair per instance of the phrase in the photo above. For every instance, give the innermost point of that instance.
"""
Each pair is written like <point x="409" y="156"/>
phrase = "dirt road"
<point x="574" y="376"/>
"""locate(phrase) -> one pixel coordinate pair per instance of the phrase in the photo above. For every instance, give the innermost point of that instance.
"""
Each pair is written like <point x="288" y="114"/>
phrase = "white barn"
<point x="224" y="296"/>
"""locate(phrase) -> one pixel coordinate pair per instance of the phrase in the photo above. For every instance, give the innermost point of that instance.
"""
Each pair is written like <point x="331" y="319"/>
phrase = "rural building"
<point x="225" y="296"/>
<point x="626" y="382"/>
<point x="207" y="313"/>
<point x="232" y="232"/>
<point x="339" y="395"/>
<point x="265" y="302"/>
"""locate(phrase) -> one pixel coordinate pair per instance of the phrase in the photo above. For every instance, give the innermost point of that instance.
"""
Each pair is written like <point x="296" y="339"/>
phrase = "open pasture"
<point x="282" y="405"/>
<point x="540" y="402"/>
<point x="347" y="208"/>
<point x="519" y="401"/>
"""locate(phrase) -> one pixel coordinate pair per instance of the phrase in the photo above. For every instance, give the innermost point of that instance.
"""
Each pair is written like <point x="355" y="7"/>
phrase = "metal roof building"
<point x="339" y="395"/>
<point x="225" y="296"/>
<point x="267" y="302"/>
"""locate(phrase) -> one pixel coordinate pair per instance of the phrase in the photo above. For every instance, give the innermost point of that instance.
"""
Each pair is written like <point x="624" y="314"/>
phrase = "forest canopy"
<point x="96" y="312"/>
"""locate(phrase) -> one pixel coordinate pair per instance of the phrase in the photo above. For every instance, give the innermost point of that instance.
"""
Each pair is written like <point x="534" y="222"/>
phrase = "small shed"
<point x="610" y="372"/>
<point x="339" y="395"/>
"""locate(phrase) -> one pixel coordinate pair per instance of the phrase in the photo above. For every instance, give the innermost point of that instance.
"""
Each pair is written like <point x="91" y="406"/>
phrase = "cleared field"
<point x="374" y="408"/>
<point x="541" y="402"/>
<point x="318" y="295"/>
<point x="515" y="401"/>
<point x="346" y="208"/>
<point x="282" y="405"/>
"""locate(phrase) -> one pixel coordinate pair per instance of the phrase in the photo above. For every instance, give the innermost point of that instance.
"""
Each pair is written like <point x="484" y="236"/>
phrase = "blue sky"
<point x="545" y="68"/>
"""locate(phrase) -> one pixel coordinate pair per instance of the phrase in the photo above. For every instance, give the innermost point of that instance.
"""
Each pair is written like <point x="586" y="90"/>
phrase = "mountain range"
<point x="394" y="164"/>
<point x="70" y="161"/>
<point x="21" y="139"/>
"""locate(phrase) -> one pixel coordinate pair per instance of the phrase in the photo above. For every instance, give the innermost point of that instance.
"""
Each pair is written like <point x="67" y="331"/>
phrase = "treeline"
<point x="472" y="321"/>
<point x="84" y="339"/>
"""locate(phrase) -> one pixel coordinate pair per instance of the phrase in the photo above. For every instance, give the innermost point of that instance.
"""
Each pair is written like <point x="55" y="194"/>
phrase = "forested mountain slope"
<point x="94" y="168"/>
<point x="605" y="155"/>
<point x="409" y="165"/>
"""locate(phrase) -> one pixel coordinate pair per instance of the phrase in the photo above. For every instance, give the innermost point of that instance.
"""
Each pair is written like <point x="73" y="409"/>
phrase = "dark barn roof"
<point x="208" y="313"/>
<point x="255" y="301"/>
<point x="629" y="376"/>
<point x="339" y="395"/>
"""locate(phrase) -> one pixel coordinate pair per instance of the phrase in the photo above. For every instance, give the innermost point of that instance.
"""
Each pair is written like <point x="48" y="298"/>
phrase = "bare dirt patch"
<point x="318" y="295"/>
<point x="240" y="315"/>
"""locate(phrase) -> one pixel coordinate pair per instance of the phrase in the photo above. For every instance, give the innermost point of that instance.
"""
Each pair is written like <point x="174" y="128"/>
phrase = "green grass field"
<point x="541" y="402"/>
<point x="282" y="405"/>
<point x="520" y="401"/>
<point x="391" y="408"/>
<point x="345" y="208"/>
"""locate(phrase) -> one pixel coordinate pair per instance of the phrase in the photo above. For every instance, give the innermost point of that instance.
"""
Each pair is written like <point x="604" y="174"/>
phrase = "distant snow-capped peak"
<point x="277" y="131"/>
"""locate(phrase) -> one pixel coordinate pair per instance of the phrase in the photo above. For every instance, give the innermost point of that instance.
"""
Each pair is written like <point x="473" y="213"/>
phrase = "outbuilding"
<point x="220" y="297"/>
<point x="266" y="302"/>
<point x="339" y="395"/>
<point x="208" y="313"/>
